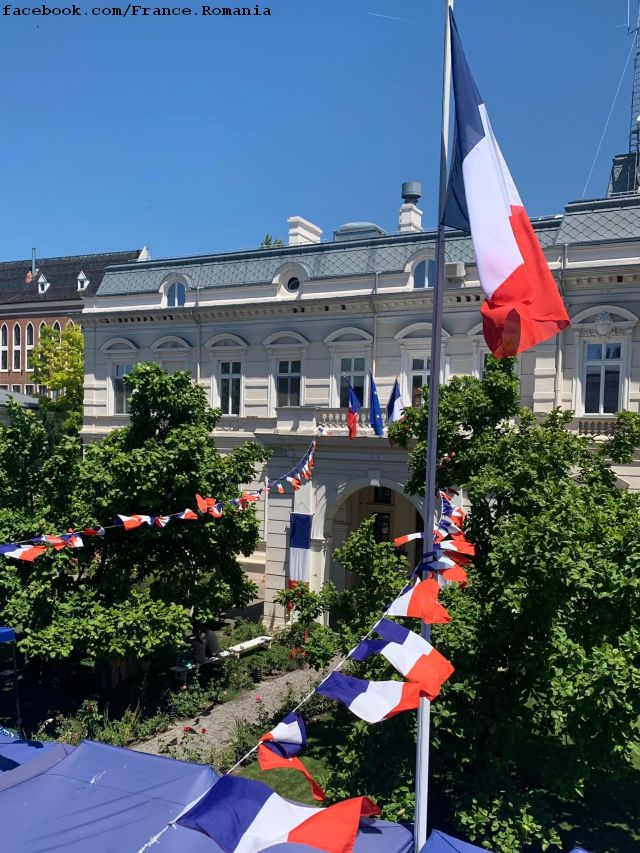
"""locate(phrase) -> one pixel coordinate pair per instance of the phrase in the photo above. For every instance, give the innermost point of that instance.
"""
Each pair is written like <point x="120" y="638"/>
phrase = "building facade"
<point x="274" y="335"/>
<point x="43" y="292"/>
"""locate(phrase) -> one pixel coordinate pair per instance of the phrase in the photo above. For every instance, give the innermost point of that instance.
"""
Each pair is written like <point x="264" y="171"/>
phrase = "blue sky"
<point x="202" y="134"/>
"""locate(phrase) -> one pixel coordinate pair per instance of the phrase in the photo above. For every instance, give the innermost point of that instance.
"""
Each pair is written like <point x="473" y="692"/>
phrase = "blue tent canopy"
<point x="15" y="751"/>
<point x="7" y="635"/>
<point x="103" y="799"/>
<point x="438" y="842"/>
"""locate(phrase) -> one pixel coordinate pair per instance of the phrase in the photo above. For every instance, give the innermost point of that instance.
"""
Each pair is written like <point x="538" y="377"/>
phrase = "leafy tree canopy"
<point x="129" y="592"/>
<point x="58" y="364"/>
<point x="536" y="732"/>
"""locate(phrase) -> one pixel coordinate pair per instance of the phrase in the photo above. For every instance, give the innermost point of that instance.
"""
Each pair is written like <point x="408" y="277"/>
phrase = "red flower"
<point x="258" y="698"/>
<point x="186" y="728"/>
<point x="204" y="731"/>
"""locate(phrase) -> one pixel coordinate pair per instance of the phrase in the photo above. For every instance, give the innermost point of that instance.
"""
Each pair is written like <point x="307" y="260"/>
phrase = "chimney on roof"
<point x="33" y="261"/>
<point x="302" y="232"/>
<point x="410" y="220"/>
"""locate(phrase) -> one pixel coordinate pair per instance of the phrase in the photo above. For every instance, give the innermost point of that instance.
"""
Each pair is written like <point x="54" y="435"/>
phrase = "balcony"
<point x="595" y="426"/>
<point x="304" y="420"/>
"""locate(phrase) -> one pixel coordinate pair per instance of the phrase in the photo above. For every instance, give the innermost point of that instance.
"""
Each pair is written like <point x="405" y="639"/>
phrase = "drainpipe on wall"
<point x="374" y="293"/>
<point x="198" y="334"/>
<point x="558" y="380"/>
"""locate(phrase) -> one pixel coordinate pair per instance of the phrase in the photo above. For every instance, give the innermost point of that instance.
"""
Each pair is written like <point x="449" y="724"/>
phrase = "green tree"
<point x="133" y="593"/>
<point x="538" y="724"/>
<point x="269" y="242"/>
<point x="58" y="364"/>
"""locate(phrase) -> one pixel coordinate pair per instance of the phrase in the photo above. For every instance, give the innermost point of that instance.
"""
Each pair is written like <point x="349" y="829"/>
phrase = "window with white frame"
<point x="121" y="393"/>
<point x="418" y="378"/>
<point x="351" y="350"/>
<point x="17" y="389"/>
<point x="288" y="382"/>
<point x="4" y="387"/>
<point x="17" y="347"/>
<point x="424" y="274"/>
<point x="30" y="390"/>
<point x="414" y="342"/>
<point x="176" y="295"/>
<point x="28" y="346"/>
<point x="4" y="348"/>
<point x="602" y="377"/>
<point x="352" y="372"/>
<point x="602" y="374"/>
<point x="56" y="327"/>
<point x="230" y="387"/>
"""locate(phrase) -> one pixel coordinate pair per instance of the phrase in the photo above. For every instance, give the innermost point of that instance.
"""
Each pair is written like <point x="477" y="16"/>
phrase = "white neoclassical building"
<point x="274" y="334"/>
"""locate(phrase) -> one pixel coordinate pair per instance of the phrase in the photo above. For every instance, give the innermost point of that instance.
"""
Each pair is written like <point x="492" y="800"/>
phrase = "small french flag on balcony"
<point x="299" y="547"/>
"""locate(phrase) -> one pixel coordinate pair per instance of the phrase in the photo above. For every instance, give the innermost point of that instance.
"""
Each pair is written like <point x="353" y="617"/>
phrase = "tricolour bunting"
<point x="410" y="654"/>
<point x="372" y="701"/>
<point x="243" y="816"/>
<point x="279" y="750"/>
<point x="523" y="305"/>
<point x="420" y="601"/>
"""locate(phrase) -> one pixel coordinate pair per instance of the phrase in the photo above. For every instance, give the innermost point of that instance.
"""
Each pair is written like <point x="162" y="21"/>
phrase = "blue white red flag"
<point x="299" y="547"/>
<point x="244" y="816"/>
<point x="280" y="747"/>
<point x="375" y="413"/>
<point x="523" y="305"/>
<point x="130" y="522"/>
<point x="372" y="701"/>
<point x="22" y="552"/>
<point x="410" y="654"/>
<point x="420" y="601"/>
<point x="352" y="414"/>
<point x="395" y="409"/>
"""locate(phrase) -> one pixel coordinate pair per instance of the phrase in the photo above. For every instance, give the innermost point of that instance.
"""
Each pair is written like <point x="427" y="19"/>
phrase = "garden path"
<point x="219" y="720"/>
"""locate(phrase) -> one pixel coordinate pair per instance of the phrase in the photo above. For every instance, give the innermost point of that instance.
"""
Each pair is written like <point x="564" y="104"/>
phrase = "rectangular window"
<point x="30" y="390"/>
<point x="352" y="371"/>
<point x="120" y="393"/>
<point x="602" y="378"/>
<point x="17" y="389"/>
<point x="230" y="379"/>
<point x="382" y="527"/>
<point x="4" y="387"/>
<point x="420" y="369"/>
<point x="288" y="383"/>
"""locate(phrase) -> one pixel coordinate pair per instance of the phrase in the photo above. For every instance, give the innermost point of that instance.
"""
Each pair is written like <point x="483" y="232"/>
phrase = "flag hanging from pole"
<point x="523" y="306"/>
<point x="395" y="409"/>
<point x="375" y="413"/>
<point x="352" y="414"/>
<point x="299" y="547"/>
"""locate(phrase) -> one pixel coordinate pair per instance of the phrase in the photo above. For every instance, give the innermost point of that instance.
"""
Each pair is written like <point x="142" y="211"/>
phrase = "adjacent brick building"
<point x="44" y="291"/>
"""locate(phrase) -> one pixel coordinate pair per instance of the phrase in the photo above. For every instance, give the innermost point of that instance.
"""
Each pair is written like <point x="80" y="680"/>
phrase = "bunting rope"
<point x="30" y="549"/>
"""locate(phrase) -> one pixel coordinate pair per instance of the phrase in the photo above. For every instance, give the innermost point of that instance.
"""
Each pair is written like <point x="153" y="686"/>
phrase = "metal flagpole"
<point x="424" y="710"/>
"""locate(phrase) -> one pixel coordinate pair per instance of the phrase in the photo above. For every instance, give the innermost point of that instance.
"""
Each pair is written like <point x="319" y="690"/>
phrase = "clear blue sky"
<point x="201" y="134"/>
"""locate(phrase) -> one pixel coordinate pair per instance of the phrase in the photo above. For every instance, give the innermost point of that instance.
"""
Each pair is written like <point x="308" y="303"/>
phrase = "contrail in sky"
<point x="391" y="17"/>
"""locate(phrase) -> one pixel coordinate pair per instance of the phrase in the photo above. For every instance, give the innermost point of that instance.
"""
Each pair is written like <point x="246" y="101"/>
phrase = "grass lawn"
<point x="289" y="783"/>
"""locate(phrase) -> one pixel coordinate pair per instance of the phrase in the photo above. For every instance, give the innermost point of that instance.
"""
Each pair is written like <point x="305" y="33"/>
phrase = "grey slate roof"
<point x="62" y="274"/>
<point x="602" y="219"/>
<point x="607" y="219"/>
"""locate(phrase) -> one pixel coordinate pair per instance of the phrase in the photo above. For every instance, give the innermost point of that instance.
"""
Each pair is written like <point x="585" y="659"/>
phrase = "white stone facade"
<point x="269" y="335"/>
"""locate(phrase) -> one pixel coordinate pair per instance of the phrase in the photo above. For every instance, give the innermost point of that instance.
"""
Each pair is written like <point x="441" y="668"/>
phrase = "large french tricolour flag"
<point x="523" y="305"/>
<point x="245" y="816"/>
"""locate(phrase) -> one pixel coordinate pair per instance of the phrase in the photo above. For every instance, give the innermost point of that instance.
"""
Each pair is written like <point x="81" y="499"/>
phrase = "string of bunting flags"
<point x="424" y="669"/>
<point x="31" y="549"/>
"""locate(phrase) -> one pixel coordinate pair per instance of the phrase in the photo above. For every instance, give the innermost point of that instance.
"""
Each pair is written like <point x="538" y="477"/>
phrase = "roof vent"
<point x="357" y="231"/>
<point x="411" y="192"/>
<point x="410" y="220"/>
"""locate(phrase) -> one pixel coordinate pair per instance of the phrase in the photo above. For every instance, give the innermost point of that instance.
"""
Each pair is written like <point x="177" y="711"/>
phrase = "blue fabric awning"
<point x="7" y="635"/>
<point x="438" y="842"/>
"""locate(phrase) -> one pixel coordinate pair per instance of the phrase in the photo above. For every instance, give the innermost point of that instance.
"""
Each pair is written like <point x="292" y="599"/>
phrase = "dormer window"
<point x="83" y="281"/>
<point x="43" y="284"/>
<point x="176" y="295"/>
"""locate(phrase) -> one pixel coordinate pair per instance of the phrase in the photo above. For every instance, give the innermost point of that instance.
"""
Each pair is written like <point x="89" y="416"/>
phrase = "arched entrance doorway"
<point x="395" y="514"/>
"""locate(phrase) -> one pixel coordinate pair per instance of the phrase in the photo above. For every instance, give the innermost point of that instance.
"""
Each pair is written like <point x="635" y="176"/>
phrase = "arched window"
<point x="28" y="346"/>
<point x="4" y="348"/>
<point x="176" y="295"/>
<point x="424" y="274"/>
<point x="56" y="327"/>
<point x="16" y="347"/>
